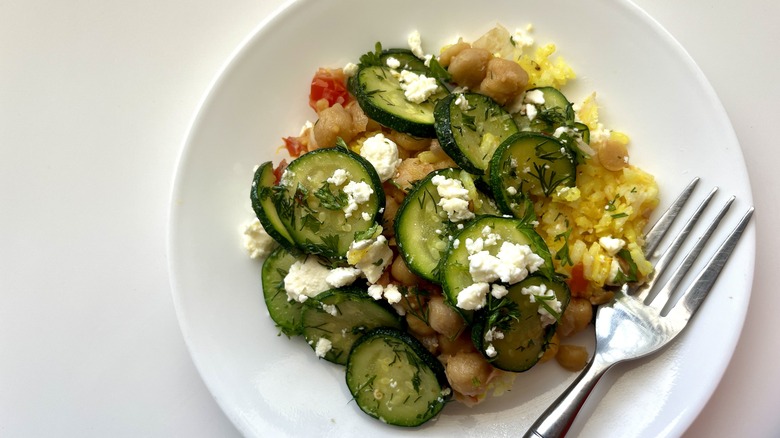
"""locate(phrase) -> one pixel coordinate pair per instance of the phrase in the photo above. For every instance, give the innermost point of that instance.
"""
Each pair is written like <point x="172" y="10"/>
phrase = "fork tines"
<point x="700" y="286"/>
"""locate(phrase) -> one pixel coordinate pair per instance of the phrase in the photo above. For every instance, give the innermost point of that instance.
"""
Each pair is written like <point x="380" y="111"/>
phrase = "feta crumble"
<point x="612" y="245"/>
<point x="306" y="279"/>
<point x="323" y="347"/>
<point x="256" y="241"/>
<point x="462" y="101"/>
<point x="417" y="88"/>
<point x="454" y="198"/>
<point x="415" y="44"/>
<point x="393" y="62"/>
<point x="473" y="297"/>
<point x="535" y="97"/>
<point x="339" y="177"/>
<point x="340" y="277"/>
<point x="357" y="193"/>
<point x="391" y="293"/>
<point x="350" y="69"/>
<point x="370" y="256"/>
<point x="382" y="153"/>
<point x="541" y="293"/>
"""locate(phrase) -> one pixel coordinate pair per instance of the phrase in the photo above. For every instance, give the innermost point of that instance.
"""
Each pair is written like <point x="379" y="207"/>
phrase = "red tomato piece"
<point x="578" y="283"/>
<point x="279" y="170"/>
<point x="294" y="146"/>
<point x="329" y="85"/>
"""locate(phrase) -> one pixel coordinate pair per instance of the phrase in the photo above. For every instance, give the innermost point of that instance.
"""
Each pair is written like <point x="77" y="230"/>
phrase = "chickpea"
<point x="359" y="118"/>
<point x="418" y="326"/>
<point x="334" y="122"/>
<point x="469" y="67"/>
<point x="576" y="317"/>
<point x="454" y="346"/>
<point x="613" y="155"/>
<point x="468" y="373"/>
<point x="504" y="80"/>
<point x="446" y="56"/>
<point x="572" y="357"/>
<point x="408" y="142"/>
<point x="412" y="170"/>
<point x="401" y="272"/>
<point x="443" y="318"/>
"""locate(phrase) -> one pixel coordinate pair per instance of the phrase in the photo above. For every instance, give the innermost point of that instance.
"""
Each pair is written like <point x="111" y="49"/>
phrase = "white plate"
<point x="272" y="386"/>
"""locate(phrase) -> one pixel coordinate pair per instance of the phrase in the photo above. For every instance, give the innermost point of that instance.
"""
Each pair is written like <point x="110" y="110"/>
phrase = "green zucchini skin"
<point x="529" y="162"/>
<point x="318" y="229"/>
<point x="423" y="230"/>
<point x="463" y="133"/>
<point x="407" y="59"/>
<point x="285" y="313"/>
<point x="261" y="196"/>
<point x="524" y="339"/>
<point x="392" y="377"/>
<point x="355" y="314"/>
<point x="379" y="94"/>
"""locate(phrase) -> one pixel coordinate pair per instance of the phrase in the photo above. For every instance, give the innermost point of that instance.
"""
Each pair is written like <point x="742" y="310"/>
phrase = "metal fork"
<point x="641" y="320"/>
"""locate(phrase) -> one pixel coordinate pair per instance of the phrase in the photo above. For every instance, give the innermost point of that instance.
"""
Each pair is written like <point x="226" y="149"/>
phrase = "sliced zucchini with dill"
<point x="455" y="272"/>
<point x="284" y="312"/>
<point x="423" y="229"/>
<point x="327" y="196"/>
<point x="406" y="59"/>
<point x="470" y="127"/>
<point x="513" y="332"/>
<point x="554" y="112"/>
<point x="378" y="91"/>
<point x="529" y="163"/>
<point x="393" y="378"/>
<point x="261" y="195"/>
<point x="339" y="317"/>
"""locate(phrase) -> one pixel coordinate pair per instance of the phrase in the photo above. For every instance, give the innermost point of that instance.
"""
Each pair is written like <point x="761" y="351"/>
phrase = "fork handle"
<point x="558" y="418"/>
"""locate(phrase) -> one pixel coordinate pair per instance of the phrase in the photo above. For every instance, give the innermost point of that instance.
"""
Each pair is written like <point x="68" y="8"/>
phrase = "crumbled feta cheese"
<point x="417" y="88"/>
<point x="522" y="39"/>
<point x="530" y="111"/>
<point x="306" y="279"/>
<point x="541" y="293"/>
<point x="490" y="351"/>
<point x="473" y="297"/>
<point x="357" y="193"/>
<point x="350" y="69"/>
<point x="393" y="62"/>
<point x="371" y="257"/>
<point x="415" y="44"/>
<point x="323" y="347"/>
<point x="454" y="198"/>
<point x="456" y="243"/>
<point x="511" y="190"/>
<point x="462" y="101"/>
<point x="305" y="128"/>
<point x="614" y="271"/>
<point x="330" y="308"/>
<point x="513" y="263"/>
<point x="427" y="60"/>
<point x="382" y="153"/>
<point x="493" y="333"/>
<point x="256" y="241"/>
<point x="340" y="277"/>
<point x="391" y="293"/>
<point x="535" y="97"/>
<point x="339" y="177"/>
<point x="498" y="290"/>
<point x="366" y="217"/>
<point x="611" y="245"/>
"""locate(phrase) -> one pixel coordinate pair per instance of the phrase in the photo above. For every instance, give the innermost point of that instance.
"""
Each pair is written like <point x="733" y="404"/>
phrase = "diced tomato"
<point x="578" y="283"/>
<point x="294" y="146"/>
<point x="279" y="170"/>
<point x="329" y="85"/>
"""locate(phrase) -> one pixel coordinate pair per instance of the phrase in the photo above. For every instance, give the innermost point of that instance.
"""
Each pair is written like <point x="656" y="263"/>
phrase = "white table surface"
<point x="95" y="101"/>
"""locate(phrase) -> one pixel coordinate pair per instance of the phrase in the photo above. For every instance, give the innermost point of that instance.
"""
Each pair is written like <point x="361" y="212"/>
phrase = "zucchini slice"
<point x="378" y="91"/>
<point x="423" y="230"/>
<point x="285" y="313"/>
<point x="510" y="332"/>
<point x="314" y="209"/>
<point x="529" y="163"/>
<point x="455" y="274"/>
<point x="393" y="377"/>
<point x="554" y="112"/>
<point x="261" y="195"/>
<point x="407" y="59"/>
<point x="341" y="316"/>
<point x="470" y="127"/>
